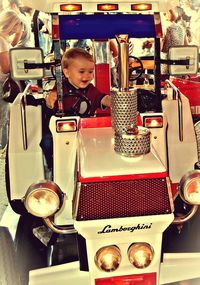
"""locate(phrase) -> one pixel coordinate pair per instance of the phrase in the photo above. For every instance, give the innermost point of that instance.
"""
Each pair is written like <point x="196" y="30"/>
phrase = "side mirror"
<point x="183" y="53"/>
<point x="19" y="57"/>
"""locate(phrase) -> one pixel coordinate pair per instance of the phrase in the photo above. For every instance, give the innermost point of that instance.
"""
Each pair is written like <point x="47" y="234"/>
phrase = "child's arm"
<point x="51" y="99"/>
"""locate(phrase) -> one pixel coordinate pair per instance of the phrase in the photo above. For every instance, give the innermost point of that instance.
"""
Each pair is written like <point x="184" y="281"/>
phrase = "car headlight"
<point x="43" y="199"/>
<point x="140" y="254"/>
<point x="189" y="187"/>
<point x="108" y="258"/>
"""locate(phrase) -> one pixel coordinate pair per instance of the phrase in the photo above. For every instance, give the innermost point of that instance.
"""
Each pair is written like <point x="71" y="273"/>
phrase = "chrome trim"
<point x="23" y="105"/>
<point x="76" y="200"/>
<point x="24" y="125"/>
<point x="65" y="230"/>
<point x="123" y="46"/>
<point x="49" y="186"/>
<point x="177" y="96"/>
<point x="180" y="117"/>
<point x="184" y="218"/>
<point x="197" y="133"/>
<point x="188" y="177"/>
<point x="171" y="201"/>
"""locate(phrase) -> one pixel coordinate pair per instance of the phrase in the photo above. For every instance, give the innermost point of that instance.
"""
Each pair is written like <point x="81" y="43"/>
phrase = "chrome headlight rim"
<point x="143" y="261"/>
<point x="189" y="181"/>
<point x="100" y="258"/>
<point x="38" y="190"/>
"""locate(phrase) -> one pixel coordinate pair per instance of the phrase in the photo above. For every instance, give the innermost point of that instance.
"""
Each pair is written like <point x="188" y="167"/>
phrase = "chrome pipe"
<point x="65" y="230"/>
<point x="184" y="218"/>
<point x="123" y="44"/>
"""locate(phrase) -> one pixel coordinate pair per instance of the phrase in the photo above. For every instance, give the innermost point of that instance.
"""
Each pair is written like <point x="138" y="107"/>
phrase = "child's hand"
<point x="106" y="101"/>
<point x="51" y="99"/>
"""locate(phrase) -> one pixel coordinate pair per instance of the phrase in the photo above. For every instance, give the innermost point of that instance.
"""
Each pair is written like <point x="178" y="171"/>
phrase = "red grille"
<point x="114" y="199"/>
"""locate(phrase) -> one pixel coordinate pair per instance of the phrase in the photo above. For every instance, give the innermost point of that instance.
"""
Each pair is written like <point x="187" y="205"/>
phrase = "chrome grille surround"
<point x="197" y="132"/>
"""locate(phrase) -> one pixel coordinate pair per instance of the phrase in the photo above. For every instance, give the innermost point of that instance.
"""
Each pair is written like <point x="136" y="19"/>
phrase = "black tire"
<point x="9" y="273"/>
<point x="186" y="240"/>
<point x="31" y="253"/>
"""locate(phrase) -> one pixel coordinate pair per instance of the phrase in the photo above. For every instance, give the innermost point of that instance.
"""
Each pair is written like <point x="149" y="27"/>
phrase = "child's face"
<point x="80" y="72"/>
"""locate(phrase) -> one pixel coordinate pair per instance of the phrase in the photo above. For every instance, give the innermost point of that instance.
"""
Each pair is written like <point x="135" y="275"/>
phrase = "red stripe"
<point x="95" y="122"/>
<point x="139" y="279"/>
<point x="123" y="177"/>
<point x="101" y="122"/>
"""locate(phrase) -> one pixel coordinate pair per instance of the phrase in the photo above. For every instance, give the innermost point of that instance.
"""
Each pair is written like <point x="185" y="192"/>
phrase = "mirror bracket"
<point x="20" y="57"/>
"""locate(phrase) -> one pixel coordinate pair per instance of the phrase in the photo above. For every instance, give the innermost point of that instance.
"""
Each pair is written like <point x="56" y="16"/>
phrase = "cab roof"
<point x="91" y="6"/>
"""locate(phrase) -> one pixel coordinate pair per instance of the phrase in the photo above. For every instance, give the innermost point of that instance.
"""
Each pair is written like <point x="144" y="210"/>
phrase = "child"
<point x="78" y="68"/>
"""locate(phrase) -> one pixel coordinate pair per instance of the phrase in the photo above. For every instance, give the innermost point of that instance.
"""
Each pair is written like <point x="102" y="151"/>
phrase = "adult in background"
<point x="194" y="23"/>
<point x="10" y="24"/>
<point x="175" y="35"/>
<point x="29" y="12"/>
<point x="45" y="32"/>
<point x="23" y="37"/>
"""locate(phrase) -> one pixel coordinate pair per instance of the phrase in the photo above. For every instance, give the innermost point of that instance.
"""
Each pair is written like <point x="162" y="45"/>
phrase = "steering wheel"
<point x="76" y="104"/>
<point x="136" y="68"/>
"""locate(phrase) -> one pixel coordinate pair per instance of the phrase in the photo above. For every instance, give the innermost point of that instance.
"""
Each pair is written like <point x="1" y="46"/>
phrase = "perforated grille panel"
<point x="114" y="199"/>
<point x="133" y="144"/>
<point x="123" y="110"/>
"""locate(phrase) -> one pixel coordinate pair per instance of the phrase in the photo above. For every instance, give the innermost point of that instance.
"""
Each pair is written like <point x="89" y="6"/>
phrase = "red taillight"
<point x="70" y="7"/>
<point x="66" y="126"/>
<point x="153" y="122"/>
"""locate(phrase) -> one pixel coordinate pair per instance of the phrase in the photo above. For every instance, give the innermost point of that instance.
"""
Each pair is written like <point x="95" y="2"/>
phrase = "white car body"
<point x="86" y="156"/>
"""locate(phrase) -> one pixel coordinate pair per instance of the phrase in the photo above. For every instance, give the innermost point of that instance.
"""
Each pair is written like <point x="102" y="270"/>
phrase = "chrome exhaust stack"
<point x="130" y="140"/>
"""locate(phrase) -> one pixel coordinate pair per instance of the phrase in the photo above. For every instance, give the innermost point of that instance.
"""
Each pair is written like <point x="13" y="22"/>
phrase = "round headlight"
<point x="140" y="254"/>
<point x="43" y="199"/>
<point x="190" y="187"/>
<point x="108" y="258"/>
